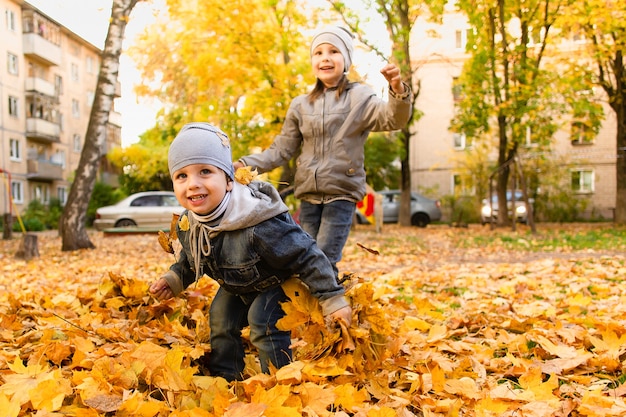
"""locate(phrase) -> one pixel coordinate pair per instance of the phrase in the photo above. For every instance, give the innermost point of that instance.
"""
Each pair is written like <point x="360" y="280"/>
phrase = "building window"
<point x="10" y="15"/>
<point x="582" y="181"/>
<point x="461" y="141"/>
<point x="90" y="97"/>
<point x="41" y="193"/>
<point x="58" y="85"/>
<point x="12" y="64"/>
<point x="90" y="65"/>
<point x="77" y="143"/>
<point x="74" y="73"/>
<point x="13" y="106"/>
<point x="581" y="134"/>
<point x="462" y="38"/>
<point x="62" y="195"/>
<point x="15" y="152"/>
<point x="460" y="186"/>
<point x="59" y="158"/>
<point x="17" y="192"/>
<point x="75" y="108"/>
<point x="457" y="89"/>
<point x="530" y="140"/>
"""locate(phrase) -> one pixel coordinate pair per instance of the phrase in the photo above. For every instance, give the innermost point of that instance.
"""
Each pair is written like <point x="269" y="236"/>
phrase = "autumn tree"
<point x="603" y="25"/>
<point x="510" y="87"/>
<point x="398" y="17"/>
<point x="73" y="221"/>
<point x="237" y="66"/>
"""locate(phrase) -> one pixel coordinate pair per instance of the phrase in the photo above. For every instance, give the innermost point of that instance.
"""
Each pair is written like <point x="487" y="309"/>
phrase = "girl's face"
<point x="328" y="64"/>
<point x="200" y="187"/>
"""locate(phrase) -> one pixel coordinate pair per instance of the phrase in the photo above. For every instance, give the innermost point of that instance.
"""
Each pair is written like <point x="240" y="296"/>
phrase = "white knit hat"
<point x="201" y="143"/>
<point x="338" y="37"/>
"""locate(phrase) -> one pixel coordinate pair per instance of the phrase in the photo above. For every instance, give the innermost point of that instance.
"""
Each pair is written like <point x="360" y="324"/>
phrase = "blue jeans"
<point x="329" y="224"/>
<point x="229" y="315"/>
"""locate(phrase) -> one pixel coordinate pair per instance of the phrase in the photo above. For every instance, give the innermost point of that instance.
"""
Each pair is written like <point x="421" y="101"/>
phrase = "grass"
<point x="550" y="238"/>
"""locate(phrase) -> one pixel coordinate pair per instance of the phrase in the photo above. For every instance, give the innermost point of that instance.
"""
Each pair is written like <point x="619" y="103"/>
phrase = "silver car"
<point x="150" y="209"/>
<point x="424" y="210"/>
<point x="490" y="211"/>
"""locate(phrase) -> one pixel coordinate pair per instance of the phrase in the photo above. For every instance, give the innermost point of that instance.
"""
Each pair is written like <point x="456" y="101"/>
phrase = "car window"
<point x="170" y="201"/>
<point x="146" y="201"/>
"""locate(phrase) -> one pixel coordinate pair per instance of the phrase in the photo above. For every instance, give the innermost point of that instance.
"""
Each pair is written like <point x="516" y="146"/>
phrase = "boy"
<point x="244" y="238"/>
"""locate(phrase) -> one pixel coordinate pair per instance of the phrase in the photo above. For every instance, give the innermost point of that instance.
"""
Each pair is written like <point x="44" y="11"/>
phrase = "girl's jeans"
<point x="329" y="224"/>
<point x="229" y="315"/>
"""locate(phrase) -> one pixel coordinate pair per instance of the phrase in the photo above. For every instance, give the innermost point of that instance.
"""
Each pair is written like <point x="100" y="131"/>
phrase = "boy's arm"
<point x="284" y="245"/>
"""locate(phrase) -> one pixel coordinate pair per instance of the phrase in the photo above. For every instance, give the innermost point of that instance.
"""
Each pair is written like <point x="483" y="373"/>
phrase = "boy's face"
<point x="328" y="64"/>
<point x="200" y="187"/>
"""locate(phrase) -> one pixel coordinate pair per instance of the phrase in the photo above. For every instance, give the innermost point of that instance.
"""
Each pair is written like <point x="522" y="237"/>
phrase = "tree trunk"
<point x="620" y="164"/>
<point x="617" y="101"/>
<point x="72" y="225"/>
<point x="404" y="215"/>
<point x="28" y="248"/>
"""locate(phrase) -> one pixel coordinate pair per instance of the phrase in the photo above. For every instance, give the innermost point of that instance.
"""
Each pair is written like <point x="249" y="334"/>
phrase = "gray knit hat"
<point x="201" y="143"/>
<point x="338" y="37"/>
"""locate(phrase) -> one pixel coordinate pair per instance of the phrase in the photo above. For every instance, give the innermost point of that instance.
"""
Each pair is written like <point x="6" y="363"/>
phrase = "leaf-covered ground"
<point x="447" y="322"/>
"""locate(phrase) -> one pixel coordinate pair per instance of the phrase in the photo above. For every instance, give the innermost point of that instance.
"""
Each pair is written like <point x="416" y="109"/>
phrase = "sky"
<point x="90" y="18"/>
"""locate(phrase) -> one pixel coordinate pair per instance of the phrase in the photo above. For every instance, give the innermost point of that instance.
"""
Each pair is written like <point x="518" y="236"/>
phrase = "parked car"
<point x="145" y="209"/>
<point x="521" y="212"/>
<point x="423" y="209"/>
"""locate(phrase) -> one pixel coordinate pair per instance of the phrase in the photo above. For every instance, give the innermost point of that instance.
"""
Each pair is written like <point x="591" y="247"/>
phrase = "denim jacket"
<point x="250" y="253"/>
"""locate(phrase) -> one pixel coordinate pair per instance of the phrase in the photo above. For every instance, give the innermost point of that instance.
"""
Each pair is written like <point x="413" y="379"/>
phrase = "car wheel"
<point x="420" y="220"/>
<point x="125" y="223"/>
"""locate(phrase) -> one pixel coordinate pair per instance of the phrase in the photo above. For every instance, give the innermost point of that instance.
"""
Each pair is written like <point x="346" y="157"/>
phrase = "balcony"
<point x="42" y="50"/>
<point x="39" y="85"/>
<point x="44" y="170"/>
<point x="42" y="130"/>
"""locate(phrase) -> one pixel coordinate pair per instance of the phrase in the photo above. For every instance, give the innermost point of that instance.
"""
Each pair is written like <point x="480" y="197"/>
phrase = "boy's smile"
<point x="200" y="187"/>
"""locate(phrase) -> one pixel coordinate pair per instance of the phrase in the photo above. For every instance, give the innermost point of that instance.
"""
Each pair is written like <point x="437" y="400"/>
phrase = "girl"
<point x="329" y="126"/>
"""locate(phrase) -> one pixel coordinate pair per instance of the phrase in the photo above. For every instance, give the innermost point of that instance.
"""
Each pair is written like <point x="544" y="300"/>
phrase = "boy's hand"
<point x="342" y="315"/>
<point x="161" y="290"/>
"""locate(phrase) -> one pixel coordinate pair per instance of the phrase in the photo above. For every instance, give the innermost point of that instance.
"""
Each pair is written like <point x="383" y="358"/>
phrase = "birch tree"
<point x="73" y="221"/>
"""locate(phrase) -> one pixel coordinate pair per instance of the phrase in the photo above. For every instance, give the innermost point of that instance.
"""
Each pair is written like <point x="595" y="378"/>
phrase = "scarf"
<point x="200" y="228"/>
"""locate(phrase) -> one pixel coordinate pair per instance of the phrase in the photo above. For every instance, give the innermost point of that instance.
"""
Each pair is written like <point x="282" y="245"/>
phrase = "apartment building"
<point x="435" y="150"/>
<point x="48" y="78"/>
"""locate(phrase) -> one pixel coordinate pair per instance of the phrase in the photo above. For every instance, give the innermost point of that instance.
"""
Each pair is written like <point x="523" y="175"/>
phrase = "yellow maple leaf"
<point x="301" y="301"/>
<point x="245" y="175"/>
<point x="166" y="242"/>
<point x="183" y="223"/>
<point x="275" y="396"/>
<point x="172" y="375"/>
<point x="535" y="388"/>
<point x="382" y="412"/>
<point x="136" y="405"/>
<point x="465" y="387"/>
<point x="9" y="408"/>
<point x="290" y="373"/>
<point x="350" y="398"/>
<point x="316" y="397"/>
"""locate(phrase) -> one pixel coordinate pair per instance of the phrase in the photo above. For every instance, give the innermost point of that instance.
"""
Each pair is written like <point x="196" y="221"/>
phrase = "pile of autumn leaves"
<point x="434" y="334"/>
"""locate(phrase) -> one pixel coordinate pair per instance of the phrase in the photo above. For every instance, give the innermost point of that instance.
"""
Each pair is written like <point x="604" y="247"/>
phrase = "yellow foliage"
<point x="81" y="337"/>
<point x="245" y="175"/>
